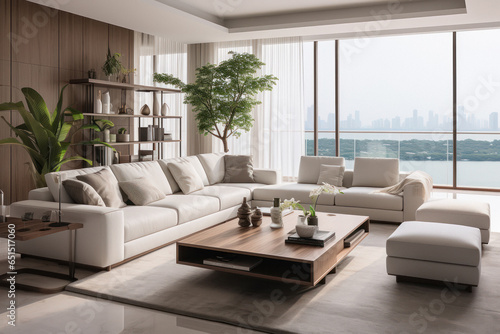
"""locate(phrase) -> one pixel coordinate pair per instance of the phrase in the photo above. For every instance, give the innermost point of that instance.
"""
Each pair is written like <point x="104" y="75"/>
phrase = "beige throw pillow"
<point x="186" y="176"/>
<point x="375" y="172"/>
<point x="82" y="193"/>
<point x="333" y="175"/>
<point x="239" y="169"/>
<point x="106" y="185"/>
<point x="141" y="191"/>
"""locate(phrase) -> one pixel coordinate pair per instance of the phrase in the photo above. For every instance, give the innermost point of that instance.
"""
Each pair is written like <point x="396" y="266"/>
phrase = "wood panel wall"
<point x="44" y="48"/>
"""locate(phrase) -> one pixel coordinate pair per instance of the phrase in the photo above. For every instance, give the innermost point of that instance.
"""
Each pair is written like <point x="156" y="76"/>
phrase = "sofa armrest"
<point x="414" y="196"/>
<point x="99" y="243"/>
<point x="41" y="194"/>
<point x="267" y="176"/>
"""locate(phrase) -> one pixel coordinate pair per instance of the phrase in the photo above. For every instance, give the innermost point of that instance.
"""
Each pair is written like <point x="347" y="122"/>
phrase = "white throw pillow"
<point x="141" y="191"/>
<point x="186" y="176"/>
<point x="310" y="166"/>
<point x="214" y="166"/>
<point x="333" y="175"/>
<point x="136" y="170"/>
<point x="375" y="172"/>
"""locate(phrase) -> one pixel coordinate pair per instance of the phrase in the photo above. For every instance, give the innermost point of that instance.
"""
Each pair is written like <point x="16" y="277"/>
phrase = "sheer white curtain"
<point x="277" y="137"/>
<point x="155" y="54"/>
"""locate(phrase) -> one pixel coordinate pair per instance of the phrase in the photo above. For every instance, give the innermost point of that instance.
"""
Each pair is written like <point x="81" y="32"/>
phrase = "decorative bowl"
<point x="306" y="231"/>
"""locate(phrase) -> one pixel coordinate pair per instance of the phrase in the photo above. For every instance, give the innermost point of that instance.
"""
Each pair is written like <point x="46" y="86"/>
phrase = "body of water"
<point x="484" y="174"/>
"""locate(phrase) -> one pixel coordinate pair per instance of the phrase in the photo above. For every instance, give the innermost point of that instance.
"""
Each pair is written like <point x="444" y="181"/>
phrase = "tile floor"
<point x="73" y="313"/>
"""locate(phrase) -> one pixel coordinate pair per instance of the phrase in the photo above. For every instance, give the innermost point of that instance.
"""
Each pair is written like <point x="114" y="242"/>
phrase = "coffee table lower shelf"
<point x="285" y="270"/>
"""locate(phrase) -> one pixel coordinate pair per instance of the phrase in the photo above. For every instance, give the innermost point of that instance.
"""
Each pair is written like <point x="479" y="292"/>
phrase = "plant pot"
<point x="123" y="137"/>
<point x="301" y="220"/>
<point x="306" y="231"/>
<point x="312" y="220"/>
<point x="105" y="135"/>
<point x="112" y="138"/>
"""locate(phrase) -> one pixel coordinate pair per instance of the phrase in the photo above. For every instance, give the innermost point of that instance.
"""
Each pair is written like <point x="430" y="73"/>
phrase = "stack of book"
<point x="318" y="239"/>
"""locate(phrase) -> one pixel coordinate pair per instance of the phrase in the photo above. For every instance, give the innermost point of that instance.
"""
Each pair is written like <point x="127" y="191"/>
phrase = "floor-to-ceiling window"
<point x="478" y="105"/>
<point x="396" y="100"/>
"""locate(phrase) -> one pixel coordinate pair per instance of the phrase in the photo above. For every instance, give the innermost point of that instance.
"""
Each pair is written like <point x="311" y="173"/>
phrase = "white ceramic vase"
<point x="301" y="220"/>
<point x="106" y="103"/>
<point x="98" y="104"/>
<point x="164" y="109"/>
<point x="156" y="105"/>
<point x="106" y="135"/>
<point x="276" y="218"/>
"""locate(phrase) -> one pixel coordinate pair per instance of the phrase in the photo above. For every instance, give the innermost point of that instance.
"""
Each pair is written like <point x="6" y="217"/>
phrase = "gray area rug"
<point x="359" y="298"/>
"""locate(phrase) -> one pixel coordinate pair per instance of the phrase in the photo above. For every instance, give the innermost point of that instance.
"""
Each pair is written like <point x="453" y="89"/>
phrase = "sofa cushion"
<point x="214" y="166"/>
<point x="171" y="181"/>
<point x="184" y="205"/>
<point x="82" y="193"/>
<point x="310" y="166"/>
<point x="51" y="179"/>
<point x="195" y="162"/>
<point x="137" y="170"/>
<point x="364" y="197"/>
<point x="375" y="172"/>
<point x="186" y="176"/>
<point x="106" y="185"/>
<point x="249" y="186"/>
<point x="141" y="191"/>
<point x="298" y="191"/>
<point x="436" y="242"/>
<point x="239" y="169"/>
<point x="228" y="196"/>
<point x="140" y="221"/>
<point x="333" y="175"/>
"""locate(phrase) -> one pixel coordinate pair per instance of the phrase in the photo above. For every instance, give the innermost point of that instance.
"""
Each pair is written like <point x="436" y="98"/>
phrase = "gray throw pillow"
<point x="82" y="193"/>
<point x="141" y="191"/>
<point x="106" y="185"/>
<point x="239" y="169"/>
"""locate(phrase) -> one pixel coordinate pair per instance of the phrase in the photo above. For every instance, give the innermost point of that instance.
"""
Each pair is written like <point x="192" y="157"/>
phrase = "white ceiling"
<point x="200" y="21"/>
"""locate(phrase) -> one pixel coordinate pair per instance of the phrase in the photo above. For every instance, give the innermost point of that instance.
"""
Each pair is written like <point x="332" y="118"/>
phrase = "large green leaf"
<point x="56" y="115"/>
<point x="63" y="131"/>
<point x="73" y="158"/>
<point x="37" y="107"/>
<point x="14" y="141"/>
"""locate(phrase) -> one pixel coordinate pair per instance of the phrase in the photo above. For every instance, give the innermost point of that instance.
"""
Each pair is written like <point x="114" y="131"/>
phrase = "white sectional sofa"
<point x="358" y="187"/>
<point x="112" y="235"/>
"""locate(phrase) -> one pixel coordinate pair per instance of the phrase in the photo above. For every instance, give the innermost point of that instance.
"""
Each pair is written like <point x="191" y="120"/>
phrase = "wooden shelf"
<point x="121" y="143"/>
<point x="126" y="115"/>
<point x="120" y="85"/>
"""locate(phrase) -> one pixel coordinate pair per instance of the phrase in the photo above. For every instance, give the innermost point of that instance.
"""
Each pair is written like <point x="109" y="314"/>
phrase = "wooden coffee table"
<point x="289" y="263"/>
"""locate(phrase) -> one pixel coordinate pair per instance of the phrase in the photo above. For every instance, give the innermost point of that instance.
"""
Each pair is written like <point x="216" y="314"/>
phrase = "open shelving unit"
<point x="89" y="115"/>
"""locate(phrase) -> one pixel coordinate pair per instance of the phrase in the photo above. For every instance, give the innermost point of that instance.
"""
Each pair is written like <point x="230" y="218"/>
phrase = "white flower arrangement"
<point x="313" y="195"/>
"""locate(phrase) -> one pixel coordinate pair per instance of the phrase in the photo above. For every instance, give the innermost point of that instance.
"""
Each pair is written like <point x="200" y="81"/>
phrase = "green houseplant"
<point x="112" y="65"/>
<point x="45" y="136"/>
<point x="223" y="95"/>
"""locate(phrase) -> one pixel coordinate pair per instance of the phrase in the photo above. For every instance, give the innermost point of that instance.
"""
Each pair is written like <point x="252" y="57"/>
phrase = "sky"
<point x="385" y="77"/>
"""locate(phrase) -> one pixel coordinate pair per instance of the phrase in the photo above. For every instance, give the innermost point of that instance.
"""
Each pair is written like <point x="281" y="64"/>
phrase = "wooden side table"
<point x="32" y="229"/>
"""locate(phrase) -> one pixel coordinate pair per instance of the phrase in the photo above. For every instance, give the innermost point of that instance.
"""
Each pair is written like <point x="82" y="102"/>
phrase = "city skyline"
<point x="433" y="121"/>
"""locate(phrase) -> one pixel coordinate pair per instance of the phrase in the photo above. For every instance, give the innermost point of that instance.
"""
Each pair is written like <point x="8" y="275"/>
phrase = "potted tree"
<point x="223" y="96"/>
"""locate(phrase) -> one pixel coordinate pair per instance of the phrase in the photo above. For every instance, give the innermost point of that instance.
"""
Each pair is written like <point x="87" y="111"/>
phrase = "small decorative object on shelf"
<point x="145" y="110"/>
<point x="112" y="137"/>
<point x="156" y="105"/>
<point x="276" y="217"/>
<point x="122" y="136"/>
<point x="112" y="65"/>
<point x="256" y="218"/>
<point x="122" y="110"/>
<point x="92" y="73"/>
<point x="103" y="125"/>
<point x="244" y="213"/>
<point x="106" y="103"/>
<point x="164" y="109"/>
<point x="98" y="104"/>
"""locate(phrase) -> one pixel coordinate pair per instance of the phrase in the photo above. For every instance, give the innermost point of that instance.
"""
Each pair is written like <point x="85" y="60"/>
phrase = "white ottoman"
<point x="435" y="251"/>
<point x="459" y="212"/>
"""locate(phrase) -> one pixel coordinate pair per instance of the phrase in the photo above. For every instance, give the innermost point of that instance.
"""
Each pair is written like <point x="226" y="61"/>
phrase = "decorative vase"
<point x="98" y="104"/>
<point x="164" y="109"/>
<point x="156" y="105"/>
<point x="106" y="135"/>
<point x="312" y="220"/>
<point x="244" y="213"/>
<point x="301" y="220"/>
<point x="145" y="110"/>
<point x="257" y="218"/>
<point x="106" y="103"/>
<point x="112" y="137"/>
<point x="276" y="217"/>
